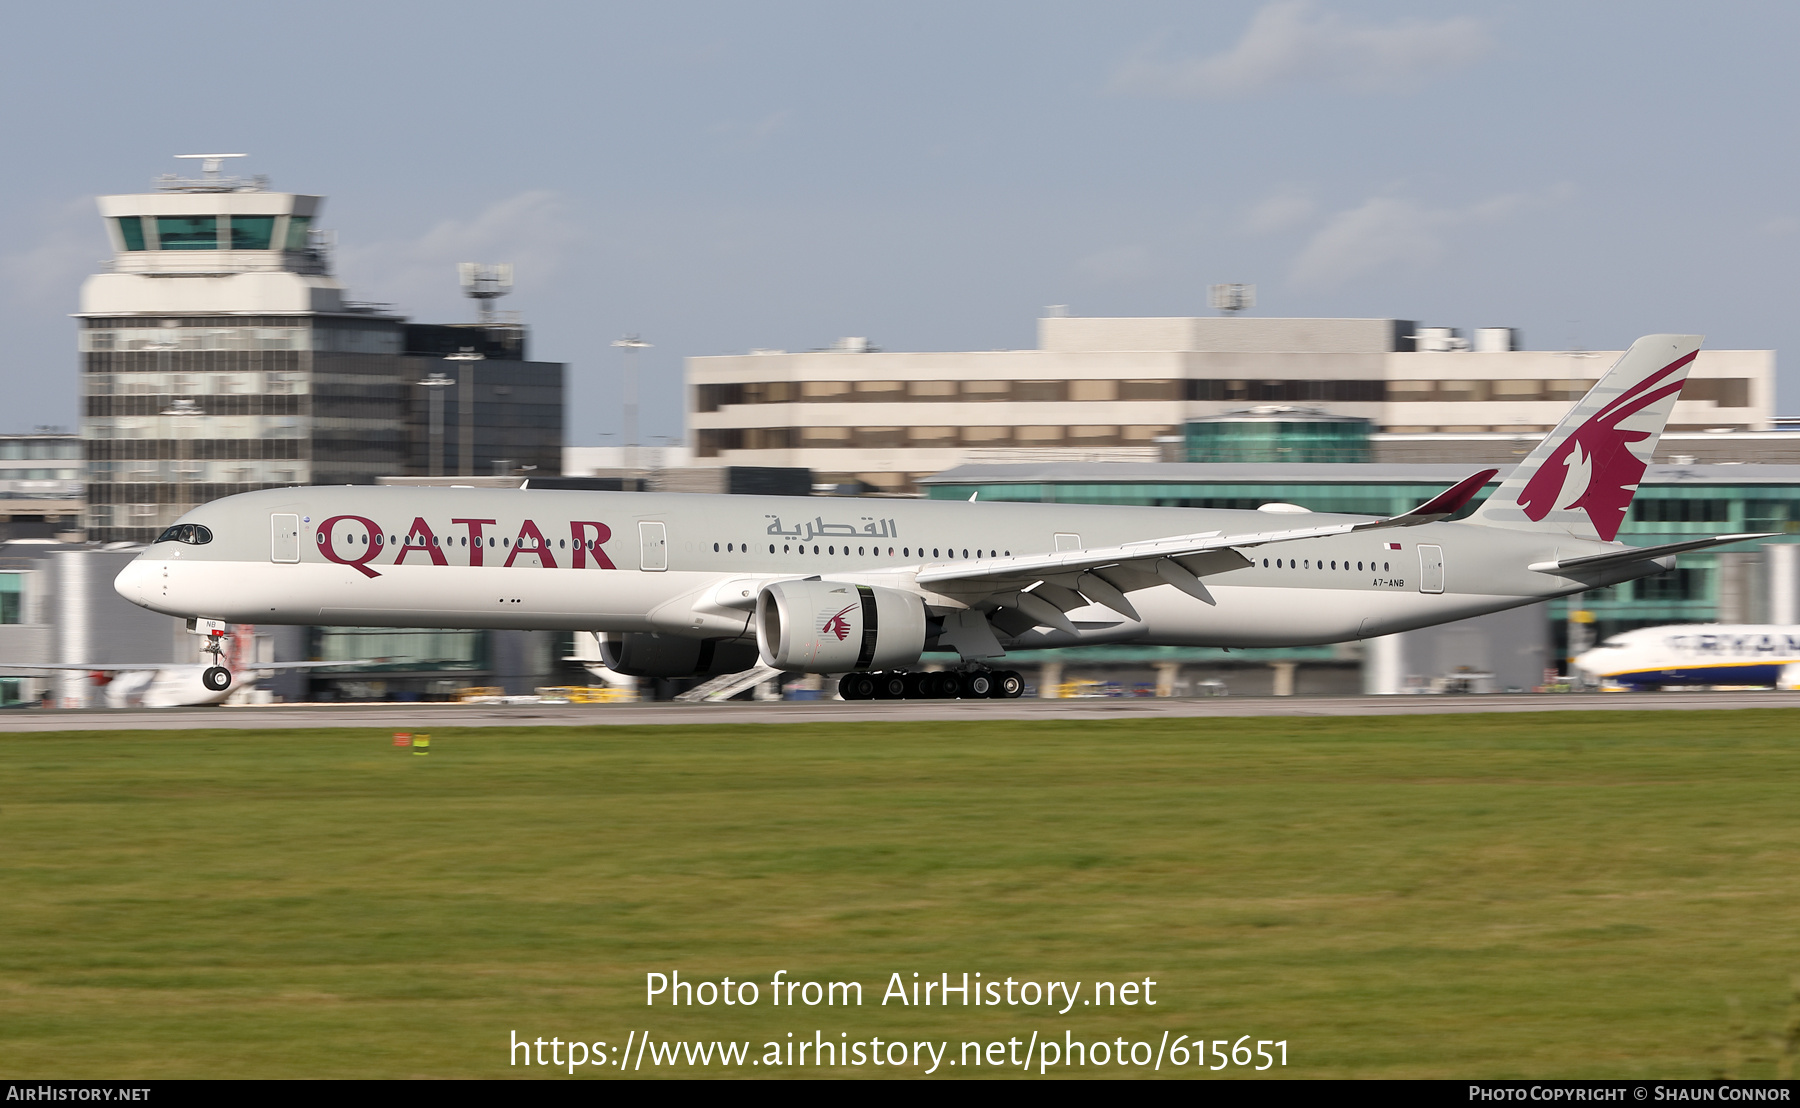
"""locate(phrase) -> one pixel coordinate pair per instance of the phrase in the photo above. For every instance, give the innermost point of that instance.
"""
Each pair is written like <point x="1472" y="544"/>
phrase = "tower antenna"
<point x="484" y="284"/>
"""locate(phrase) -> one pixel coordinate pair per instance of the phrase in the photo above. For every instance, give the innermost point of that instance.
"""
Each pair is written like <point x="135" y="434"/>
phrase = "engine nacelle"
<point x="643" y="654"/>
<point x="837" y="626"/>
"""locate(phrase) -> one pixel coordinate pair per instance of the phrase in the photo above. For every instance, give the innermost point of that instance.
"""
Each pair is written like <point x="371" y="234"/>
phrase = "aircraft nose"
<point x="133" y="583"/>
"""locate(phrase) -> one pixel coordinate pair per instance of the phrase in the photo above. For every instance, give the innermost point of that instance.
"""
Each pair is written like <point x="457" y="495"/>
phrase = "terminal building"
<point x="43" y="487"/>
<point x="1127" y="389"/>
<point x="219" y="355"/>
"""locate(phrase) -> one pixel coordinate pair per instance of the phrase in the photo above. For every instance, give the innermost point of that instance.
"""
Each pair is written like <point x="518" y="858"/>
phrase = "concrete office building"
<point x="219" y="355"/>
<point x="42" y="486"/>
<point x="1102" y="389"/>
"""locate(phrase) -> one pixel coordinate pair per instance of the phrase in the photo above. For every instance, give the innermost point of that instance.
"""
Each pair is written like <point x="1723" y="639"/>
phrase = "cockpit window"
<point x="191" y="533"/>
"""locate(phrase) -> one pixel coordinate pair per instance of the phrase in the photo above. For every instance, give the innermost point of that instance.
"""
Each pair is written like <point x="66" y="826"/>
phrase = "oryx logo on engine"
<point x="838" y="625"/>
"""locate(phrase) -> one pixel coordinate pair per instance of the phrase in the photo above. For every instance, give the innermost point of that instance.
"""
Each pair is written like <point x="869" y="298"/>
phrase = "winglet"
<point x="1447" y="503"/>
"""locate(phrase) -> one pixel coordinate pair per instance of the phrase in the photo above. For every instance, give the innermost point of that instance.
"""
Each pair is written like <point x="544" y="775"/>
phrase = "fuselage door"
<point x="654" y="538"/>
<point x="1066" y="541"/>
<point x="1431" y="569"/>
<point x="284" y="537"/>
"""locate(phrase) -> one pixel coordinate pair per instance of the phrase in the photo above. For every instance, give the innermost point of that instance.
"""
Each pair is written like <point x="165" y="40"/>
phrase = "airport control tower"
<point x="219" y="355"/>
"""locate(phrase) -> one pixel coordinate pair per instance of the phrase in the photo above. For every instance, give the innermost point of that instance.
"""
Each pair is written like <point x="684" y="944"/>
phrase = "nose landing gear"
<point x="216" y="678"/>
<point x="975" y="684"/>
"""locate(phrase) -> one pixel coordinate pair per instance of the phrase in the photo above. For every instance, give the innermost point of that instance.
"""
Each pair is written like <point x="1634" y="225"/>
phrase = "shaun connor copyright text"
<point x="808" y="1025"/>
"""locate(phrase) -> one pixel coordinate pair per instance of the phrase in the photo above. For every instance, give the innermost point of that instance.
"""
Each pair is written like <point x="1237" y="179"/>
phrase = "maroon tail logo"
<point x="838" y="625"/>
<point x="1605" y="448"/>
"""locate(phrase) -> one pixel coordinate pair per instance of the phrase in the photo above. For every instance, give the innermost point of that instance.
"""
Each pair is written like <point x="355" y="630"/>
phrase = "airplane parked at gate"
<point x="1696" y="654"/>
<point x="683" y="585"/>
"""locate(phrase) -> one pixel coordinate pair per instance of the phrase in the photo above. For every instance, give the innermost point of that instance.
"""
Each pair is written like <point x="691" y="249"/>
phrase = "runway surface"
<point x="427" y="716"/>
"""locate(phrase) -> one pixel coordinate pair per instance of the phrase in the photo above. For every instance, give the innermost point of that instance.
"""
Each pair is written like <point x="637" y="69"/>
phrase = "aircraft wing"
<point x="1105" y="574"/>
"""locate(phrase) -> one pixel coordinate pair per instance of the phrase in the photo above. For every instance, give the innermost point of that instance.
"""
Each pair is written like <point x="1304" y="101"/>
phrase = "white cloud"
<point x="1294" y="42"/>
<point x="535" y="231"/>
<point x="1281" y="211"/>
<point x="1388" y="231"/>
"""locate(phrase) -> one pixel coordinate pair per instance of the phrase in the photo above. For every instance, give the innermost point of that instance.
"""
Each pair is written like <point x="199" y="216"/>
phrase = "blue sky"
<point x="719" y="177"/>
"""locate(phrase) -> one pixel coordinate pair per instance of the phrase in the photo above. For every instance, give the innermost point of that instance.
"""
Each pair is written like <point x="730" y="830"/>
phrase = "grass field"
<point x="1451" y="896"/>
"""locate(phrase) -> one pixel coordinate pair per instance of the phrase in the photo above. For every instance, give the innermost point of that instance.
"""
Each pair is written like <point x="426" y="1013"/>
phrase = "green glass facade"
<point x="1274" y="439"/>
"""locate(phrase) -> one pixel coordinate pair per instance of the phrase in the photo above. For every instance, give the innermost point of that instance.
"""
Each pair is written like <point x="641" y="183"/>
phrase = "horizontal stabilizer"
<point x="1633" y="554"/>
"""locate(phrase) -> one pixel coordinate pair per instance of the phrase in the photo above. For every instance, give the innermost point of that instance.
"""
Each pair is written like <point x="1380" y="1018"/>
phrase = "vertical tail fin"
<point x="1581" y="478"/>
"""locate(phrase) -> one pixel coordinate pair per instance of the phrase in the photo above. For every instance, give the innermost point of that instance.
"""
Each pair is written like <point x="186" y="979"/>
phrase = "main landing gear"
<point x="974" y="684"/>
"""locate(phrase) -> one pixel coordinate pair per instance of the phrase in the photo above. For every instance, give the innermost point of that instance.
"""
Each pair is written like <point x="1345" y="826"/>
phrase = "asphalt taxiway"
<point x="427" y="716"/>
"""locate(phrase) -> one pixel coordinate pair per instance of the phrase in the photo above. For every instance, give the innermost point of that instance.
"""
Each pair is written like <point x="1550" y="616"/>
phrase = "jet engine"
<point x="643" y="654"/>
<point x="837" y="626"/>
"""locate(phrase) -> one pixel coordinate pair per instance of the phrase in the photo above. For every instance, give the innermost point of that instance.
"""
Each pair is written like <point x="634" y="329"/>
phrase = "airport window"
<point x="1149" y="390"/>
<point x="715" y="548"/>
<point x="987" y="390"/>
<point x="1676" y="584"/>
<point x="251" y="232"/>
<point x="296" y="232"/>
<point x="931" y="389"/>
<point x="1093" y="390"/>
<point x="1384" y="567"/>
<point x="1673" y="510"/>
<point x="11" y="589"/>
<point x="183" y="232"/>
<point x="1265" y="563"/>
<point x="131" y="229"/>
<point x="934" y="552"/>
<point x="1724" y="392"/>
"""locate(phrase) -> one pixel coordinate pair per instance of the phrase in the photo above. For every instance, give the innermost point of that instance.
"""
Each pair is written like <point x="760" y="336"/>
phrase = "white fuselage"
<point x="1697" y="654"/>
<point x="692" y="565"/>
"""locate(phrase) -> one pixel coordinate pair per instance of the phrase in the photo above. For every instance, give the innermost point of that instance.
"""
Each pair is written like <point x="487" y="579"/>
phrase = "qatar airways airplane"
<point x="684" y="585"/>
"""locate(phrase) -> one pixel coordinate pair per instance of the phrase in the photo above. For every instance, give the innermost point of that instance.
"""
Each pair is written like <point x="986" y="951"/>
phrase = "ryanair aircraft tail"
<point x="1581" y="478"/>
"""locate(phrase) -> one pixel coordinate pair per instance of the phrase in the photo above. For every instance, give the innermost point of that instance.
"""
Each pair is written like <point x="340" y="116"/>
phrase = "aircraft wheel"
<point x="978" y="685"/>
<point x="890" y="686"/>
<point x="1009" y="685"/>
<point x="216" y="678"/>
<point x="946" y="686"/>
<point x="918" y="685"/>
<point x="857" y="686"/>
